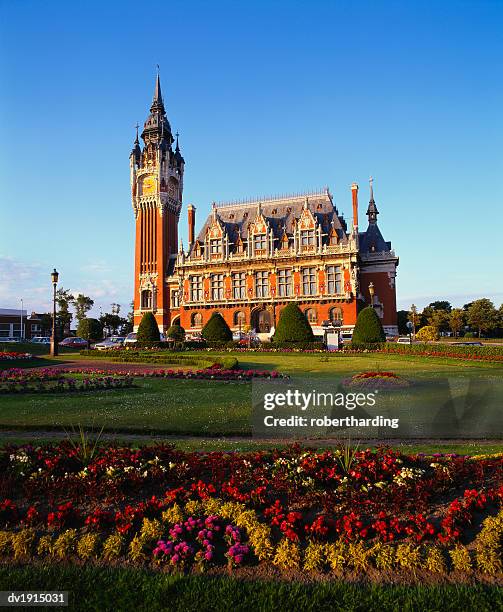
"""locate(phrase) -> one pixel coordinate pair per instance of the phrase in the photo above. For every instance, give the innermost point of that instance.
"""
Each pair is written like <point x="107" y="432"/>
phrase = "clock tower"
<point x="156" y="172"/>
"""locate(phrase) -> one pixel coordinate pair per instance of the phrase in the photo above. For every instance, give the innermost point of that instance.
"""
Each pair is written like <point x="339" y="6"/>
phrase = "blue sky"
<point x="269" y="97"/>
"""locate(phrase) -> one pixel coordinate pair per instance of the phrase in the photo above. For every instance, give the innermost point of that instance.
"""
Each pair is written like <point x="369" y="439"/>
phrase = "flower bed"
<point x="16" y="380"/>
<point x="294" y="509"/>
<point x="376" y="380"/>
<point x="64" y="384"/>
<point x="14" y="356"/>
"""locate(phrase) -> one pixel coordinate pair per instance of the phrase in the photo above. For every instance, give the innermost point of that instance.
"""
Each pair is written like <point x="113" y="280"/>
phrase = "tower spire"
<point x="372" y="211"/>
<point x="157" y="127"/>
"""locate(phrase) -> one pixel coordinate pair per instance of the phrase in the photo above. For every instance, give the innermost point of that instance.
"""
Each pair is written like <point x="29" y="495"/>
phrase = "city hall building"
<point x="250" y="258"/>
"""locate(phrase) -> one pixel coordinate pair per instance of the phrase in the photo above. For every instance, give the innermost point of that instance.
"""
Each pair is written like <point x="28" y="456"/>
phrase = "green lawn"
<point x="105" y="588"/>
<point x="213" y="408"/>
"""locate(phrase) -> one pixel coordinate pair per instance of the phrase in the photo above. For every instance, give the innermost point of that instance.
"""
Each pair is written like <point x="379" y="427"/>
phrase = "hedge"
<point x="148" y="330"/>
<point x="368" y="328"/>
<point x="444" y="350"/>
<point x="293" y="326"/>
<point x="216" y="329"/>
<point x="132" y="356"/>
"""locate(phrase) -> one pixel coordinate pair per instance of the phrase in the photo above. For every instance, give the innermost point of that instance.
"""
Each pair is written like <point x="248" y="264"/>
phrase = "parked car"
<point x="404" y="340"/>
<point x="130" y="339"/>
<point x="236" y="336"/>
<point x="10" y="339"/>
<point x="346" y="337"/>
<point x="77" y="342"/>
<point x="467" y="344"/>
<point x="109" y="343"/>
<point x="41" y="340"/>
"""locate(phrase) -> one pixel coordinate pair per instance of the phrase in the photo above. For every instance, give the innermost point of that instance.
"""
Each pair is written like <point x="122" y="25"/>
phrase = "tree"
<point x="90" y="329"/>
<point x="368" y="328"/>
<point x="402" y="318"/>
<point x="148" y="330"/>
<point x="216" y="329"/>
<point x="82" y="305"/>
<point x="456" y="320"/>
<point x="63" y="317"/>
<point x="438" y="319"/>
<point x="46" y="324"/>
<point x="414" y="318"/>
<point x="427" y="333"/>
<point x="176" y="332"/>
<point x="440" y="305"/>
<point x="482" y="315"/>
<point x="293" y="326"/>
<point x="129" y="324"/>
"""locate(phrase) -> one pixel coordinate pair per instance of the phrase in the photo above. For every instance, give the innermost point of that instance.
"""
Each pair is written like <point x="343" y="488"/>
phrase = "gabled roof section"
<point x="372" y="240"/>
<point x="280" y="213"/>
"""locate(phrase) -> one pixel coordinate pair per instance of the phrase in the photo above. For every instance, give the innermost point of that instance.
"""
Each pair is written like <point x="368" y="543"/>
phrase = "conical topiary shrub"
<point x="216" y="329"/>
<point x="368" y="328"/>
<point x="176" y="332"/>
<point x="293" y="326"/>
<point x="148" y="330"/>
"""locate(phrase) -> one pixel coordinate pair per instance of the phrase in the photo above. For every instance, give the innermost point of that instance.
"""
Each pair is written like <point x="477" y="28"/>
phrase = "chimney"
<point x="354" y="193"/>
<point x="191" y="210"/>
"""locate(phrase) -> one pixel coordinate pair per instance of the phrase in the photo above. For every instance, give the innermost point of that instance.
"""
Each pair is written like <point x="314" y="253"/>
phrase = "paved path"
<point x="324" y="442"/>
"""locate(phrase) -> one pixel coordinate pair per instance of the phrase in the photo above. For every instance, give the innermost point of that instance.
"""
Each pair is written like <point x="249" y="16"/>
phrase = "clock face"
<point x="149" y="185"/>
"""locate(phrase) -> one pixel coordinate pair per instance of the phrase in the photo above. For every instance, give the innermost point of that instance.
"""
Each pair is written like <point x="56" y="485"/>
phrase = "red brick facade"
<point x="250" y="259"/>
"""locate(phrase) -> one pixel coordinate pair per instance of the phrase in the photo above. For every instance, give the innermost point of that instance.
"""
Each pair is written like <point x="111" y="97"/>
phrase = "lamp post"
<point x="371" y="292"/>
<point x="21" y="335"/>
<point x="54" y="340"/>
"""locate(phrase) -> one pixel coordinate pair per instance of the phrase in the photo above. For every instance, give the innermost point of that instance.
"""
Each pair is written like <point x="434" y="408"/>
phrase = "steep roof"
<point x="280" y="213"/>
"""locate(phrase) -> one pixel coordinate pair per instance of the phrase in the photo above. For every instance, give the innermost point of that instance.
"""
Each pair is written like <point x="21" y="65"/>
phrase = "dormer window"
<point x="260" y="242"/>
<point x="333" y="238"/>
<point x="215" y="246"/>
<point x="307" y="238"/>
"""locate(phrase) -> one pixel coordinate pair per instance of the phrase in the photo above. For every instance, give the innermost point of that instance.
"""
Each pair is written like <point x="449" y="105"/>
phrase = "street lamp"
<point x="54" y="340"/>
<point x="371" y="292"/>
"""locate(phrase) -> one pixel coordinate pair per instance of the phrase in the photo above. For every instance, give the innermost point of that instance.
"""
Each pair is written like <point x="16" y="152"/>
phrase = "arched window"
<point x="336" y="315"/>
<point x="311" y="315"/>
<point x="146" y="299"/>
<point x="240" y="318"/>
<point x="196" y="320"/>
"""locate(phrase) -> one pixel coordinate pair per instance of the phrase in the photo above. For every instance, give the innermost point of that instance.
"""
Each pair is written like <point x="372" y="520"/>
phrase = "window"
<point x="36" y="327"/>
<point x="284" y="282"/>
<point x="196" y="288"/>
<point x="260" y="242"/>
<point x="196" y="320"/>
<point x="311" y="315"/>
<point x="146" y="299"/>
<point x="334" y="279"/>
<point x="307" y="238"/>
<point x="333" y="238"/>
<point x="215" y="246"/>
<point x="240" y="318"/>
<point x="239" y="285"/>
<point x="309" y="281"/>
<point x="262" y="284"/>
<point x="5" y="330"/>
<point x="335" y="315"/>
<point x="175" y="299"/>
<point x="217" y="286"/>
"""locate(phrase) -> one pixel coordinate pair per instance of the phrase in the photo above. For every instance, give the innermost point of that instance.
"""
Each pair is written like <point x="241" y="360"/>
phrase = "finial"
<point x="136" y="140"/>
<point x="371" y="182"/>
<point x="177" y="147"/>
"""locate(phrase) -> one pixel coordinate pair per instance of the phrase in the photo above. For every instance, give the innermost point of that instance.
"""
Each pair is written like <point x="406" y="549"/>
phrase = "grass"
<point x="104" y="588"/>
<point x="216" y="408"/>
